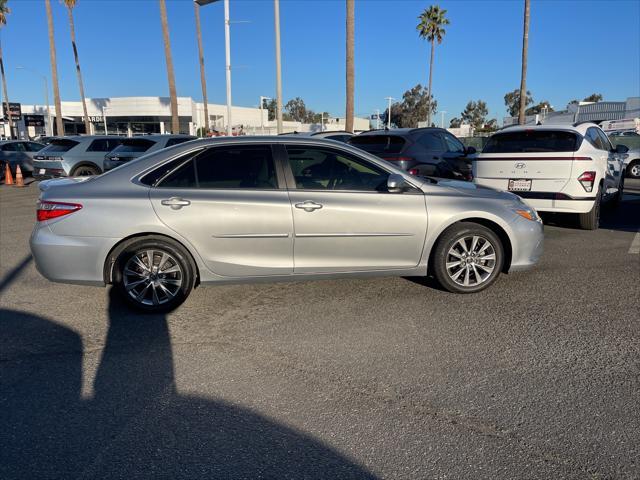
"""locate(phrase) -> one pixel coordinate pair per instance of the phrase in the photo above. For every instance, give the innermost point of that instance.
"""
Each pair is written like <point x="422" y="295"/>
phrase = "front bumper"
<point x="77" y="260"/>
<point x="527" y="244"/>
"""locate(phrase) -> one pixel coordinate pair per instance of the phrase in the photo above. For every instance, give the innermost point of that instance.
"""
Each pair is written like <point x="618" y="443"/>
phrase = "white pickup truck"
<point x="555" y="168"/>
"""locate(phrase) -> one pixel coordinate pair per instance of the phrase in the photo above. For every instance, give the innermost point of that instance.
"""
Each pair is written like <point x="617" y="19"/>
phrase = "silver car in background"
<point x="273" y="208"/>
<point x="18" y="152"/>
<point x="135" y="147"/>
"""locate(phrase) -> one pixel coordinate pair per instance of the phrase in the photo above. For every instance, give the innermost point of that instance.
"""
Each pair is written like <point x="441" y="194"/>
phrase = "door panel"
<point x="358" y="231"/>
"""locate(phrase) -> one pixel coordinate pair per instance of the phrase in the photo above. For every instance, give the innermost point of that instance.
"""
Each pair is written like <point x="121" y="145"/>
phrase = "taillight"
<point x="587" y="179"/>
<point x="49" y="210"/>
<point x="397" y="159"/>
<point x="413" y="171"/>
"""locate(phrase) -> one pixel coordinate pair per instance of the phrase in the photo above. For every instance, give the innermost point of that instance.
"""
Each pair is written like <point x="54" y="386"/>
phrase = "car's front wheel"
<point x="633" y="170"/>
<point x="154" y="275"/>
<point x="467" y="258"/>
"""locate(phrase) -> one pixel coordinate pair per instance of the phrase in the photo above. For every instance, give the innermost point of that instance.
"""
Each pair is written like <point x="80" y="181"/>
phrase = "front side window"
<point x="13" y="147"/>
<point x="453" y="144"/>
<point x="604" y="140"/>
<point x="378" y="144"/>
<point x="594" y="139"/>
<point x="324" y="169"/>
<point x="430" y="141"/>
<point x="232" y="167"/>
<point x="134" y="145"/>
<point x="34" y="146"/>
<point x="99" y="145"/>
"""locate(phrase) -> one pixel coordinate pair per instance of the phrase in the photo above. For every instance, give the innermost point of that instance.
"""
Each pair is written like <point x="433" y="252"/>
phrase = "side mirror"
<point x="470" y="150"/>
<point x="395" y="183"/>
<point x="621" y="148"/>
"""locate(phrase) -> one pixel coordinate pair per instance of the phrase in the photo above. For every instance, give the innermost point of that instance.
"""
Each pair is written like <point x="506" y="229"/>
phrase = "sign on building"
<point x="34" y="120"/>
<point x="14" y="108"/>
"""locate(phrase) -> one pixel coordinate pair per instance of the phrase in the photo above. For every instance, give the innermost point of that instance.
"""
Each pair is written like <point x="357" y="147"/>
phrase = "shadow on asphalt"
<point x="9" y="278"/>
<point x="136" y="425"/>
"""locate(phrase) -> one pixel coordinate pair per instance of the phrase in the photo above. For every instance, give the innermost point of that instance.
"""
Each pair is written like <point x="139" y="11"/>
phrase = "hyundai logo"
<point x="520" y="165"/>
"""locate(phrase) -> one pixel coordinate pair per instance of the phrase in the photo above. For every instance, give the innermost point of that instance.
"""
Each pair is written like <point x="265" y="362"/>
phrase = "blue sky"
<point x="576" y="48"/>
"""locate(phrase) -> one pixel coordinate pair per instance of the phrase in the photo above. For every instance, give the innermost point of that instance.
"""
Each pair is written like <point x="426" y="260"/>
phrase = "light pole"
<point x="104" y="118"/>
<point x="276" y="11"/>
<point x="377" y="119"/>
<point x="46" y="96"/>
<point x="389" y="99"/>
<point x="262" y="99"/>
<point x="442" y="119"/>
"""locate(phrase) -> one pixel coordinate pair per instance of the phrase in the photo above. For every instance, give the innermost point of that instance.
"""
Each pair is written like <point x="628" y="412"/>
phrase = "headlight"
<point x="526" y="212"/>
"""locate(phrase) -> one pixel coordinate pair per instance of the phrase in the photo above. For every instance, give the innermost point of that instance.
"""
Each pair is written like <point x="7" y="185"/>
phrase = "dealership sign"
<point x="14" y="109"/>
<point x="34" y="120"/>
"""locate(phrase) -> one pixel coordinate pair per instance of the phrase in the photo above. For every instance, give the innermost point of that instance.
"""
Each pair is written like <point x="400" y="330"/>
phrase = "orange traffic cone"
<point x="8" y="178"/>
<point x="19" y="179"/>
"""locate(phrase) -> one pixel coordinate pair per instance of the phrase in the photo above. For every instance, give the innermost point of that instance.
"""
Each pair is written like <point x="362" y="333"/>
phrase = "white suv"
<point x="568" y="169"/>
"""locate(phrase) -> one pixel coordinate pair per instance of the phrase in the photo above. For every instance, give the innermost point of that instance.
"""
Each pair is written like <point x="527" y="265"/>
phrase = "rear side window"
<point x="34" y="146"/>
<point x="233" y="167"/>
<point x="531" y="141"/>
<point x="177" y="141"/>
<point x="103" y="144"/>
<point x="13" y="147"/>
<point x="59" y="146"/>
<point x="430" y="141"/>
<point x="134" y="145"/>
<point x="379" y="143"/>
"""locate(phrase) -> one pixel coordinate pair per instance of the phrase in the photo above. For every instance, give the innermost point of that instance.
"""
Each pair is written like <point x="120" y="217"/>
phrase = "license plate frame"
<point x="519" y="185"/>
<point x="42" y="171"/>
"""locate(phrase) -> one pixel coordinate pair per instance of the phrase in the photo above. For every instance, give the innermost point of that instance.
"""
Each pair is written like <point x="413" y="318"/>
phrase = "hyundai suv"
<point x="132" y="148"/>
<point x="561" y="168"/>
<point x="421" y="151"/>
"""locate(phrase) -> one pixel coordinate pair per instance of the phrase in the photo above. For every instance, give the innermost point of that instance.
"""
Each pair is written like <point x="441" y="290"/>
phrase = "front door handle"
<point x="176" y="203"/>
<point x="308" y="206"/>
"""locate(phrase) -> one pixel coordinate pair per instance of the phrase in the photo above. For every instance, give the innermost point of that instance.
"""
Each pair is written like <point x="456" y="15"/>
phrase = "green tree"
<point x="54" y="70"/>
<point x="415" y="105"/>
<point x="594" y="97"/>
<point x="539" y="108"/>
<point x="475" y="114"/>
<point x="173" y="96"/>
<point x="512" y="101"/>
<point x="431" y="28"/>
<point x="455" y="122"/>
<point x="4" y="11"/>
<point x="70" y="4"/>
<point x="350" y="66"/>
<point x="296" y="109"/>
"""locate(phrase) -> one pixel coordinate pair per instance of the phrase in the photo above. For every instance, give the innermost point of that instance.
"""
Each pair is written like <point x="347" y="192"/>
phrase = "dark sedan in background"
<point x="18" y="152"/>
<point x="132" y="148"/>
<point x="421" y="151"/>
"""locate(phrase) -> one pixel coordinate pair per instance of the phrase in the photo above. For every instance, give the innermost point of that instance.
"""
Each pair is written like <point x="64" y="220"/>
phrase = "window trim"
<point x="190" y="156"/>
<point x="293" y="186"/>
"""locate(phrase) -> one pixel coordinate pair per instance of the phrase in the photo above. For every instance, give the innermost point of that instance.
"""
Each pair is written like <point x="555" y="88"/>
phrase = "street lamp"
<point x="389" y="99"/>
<point x="46" y="96"/>
<point x="262" y="99"/>
<point x="104" y="118"/>
<point x="227" y="51"/>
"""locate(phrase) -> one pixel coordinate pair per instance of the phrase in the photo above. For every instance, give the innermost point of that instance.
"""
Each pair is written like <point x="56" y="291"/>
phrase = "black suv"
<point x="421" y="151"/>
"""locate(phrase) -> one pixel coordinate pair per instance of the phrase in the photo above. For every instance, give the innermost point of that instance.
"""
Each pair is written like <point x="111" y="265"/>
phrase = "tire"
<point x="591" y="219"/>
<point x="85" y="171"/>
<point x="144" y="286"/>
<point x="479" y="273"/>
<point x="615" y="201"/>
<point x="633" y="170"/>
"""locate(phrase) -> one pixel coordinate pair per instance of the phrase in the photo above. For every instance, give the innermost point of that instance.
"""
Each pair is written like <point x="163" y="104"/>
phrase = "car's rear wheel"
<point x="617" y="198"/>
<point x="85" y="171"/>
<point x="591" y="219"/>
<point x="633" y="170"/>
<point x="154" y="275"/>
<point x="467" y="258"/>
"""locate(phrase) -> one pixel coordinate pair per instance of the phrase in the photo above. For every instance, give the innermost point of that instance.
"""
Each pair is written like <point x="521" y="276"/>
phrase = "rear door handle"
<point x="176" y="203"/>
<point x="308" y="206"/>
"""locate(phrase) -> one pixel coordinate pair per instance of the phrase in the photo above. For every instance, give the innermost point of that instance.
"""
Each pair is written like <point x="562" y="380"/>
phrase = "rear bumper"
<point x="43" y="169"/>
<point x="582" y="205"/>
<point x="78" y="260"/>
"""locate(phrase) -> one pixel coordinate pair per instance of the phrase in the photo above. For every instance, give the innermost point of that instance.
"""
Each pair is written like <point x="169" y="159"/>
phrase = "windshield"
<point x="378" y="143"/>
<point x="531" y="141"/>
<point x="59" y="146"/>
<point x="133" y="145"/>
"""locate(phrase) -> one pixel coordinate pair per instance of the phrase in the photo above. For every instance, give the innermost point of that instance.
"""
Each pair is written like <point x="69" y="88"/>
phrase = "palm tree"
<point x="54" y="70"/>
<point x="4" y="11"/>
<point x="350" y="68"/>
<point x="203" y="80"/>
<point x="70" y="4"/>
<point x="431" y="28"/>
<point x="525" y="54"/>
<point x="175" y="125"/>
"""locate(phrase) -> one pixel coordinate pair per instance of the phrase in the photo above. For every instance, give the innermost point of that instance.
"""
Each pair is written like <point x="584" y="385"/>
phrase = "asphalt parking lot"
<point x="537" y="377"/>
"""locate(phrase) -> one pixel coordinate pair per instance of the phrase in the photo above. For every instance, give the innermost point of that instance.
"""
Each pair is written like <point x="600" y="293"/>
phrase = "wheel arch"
<point x="85" y="163"/>
<point x="491" y="225"/>
<point x="115" y="251"/>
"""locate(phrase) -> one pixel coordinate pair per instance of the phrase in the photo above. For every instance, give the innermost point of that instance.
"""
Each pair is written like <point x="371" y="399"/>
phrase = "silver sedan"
<point x="275" y="208"/>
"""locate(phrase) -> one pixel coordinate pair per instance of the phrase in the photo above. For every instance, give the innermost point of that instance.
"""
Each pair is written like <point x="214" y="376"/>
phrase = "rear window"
<point x="134" y="145"/>
<point x="379" y="143"/>
<point x="178" y="141"/>
<point x="529" y="141"/>
<point x="59" y="146"/>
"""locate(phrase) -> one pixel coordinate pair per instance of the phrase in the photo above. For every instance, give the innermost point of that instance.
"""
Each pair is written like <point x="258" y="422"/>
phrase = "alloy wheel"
<point x="471" y="260"/>
<point x="152" y="277"/>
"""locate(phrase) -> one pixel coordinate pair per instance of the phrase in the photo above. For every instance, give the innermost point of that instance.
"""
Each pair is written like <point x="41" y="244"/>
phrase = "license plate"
<point x="519" y="185"/>
<point x="42" y="170"/>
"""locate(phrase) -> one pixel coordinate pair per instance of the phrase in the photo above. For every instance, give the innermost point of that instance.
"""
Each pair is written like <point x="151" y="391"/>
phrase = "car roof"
<point x="159" y="136"/>
<point x="331" y="132"/>
<point x="83" y="138"/>
<point x="577" y="128"/>
<point x="401" y="132"/>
